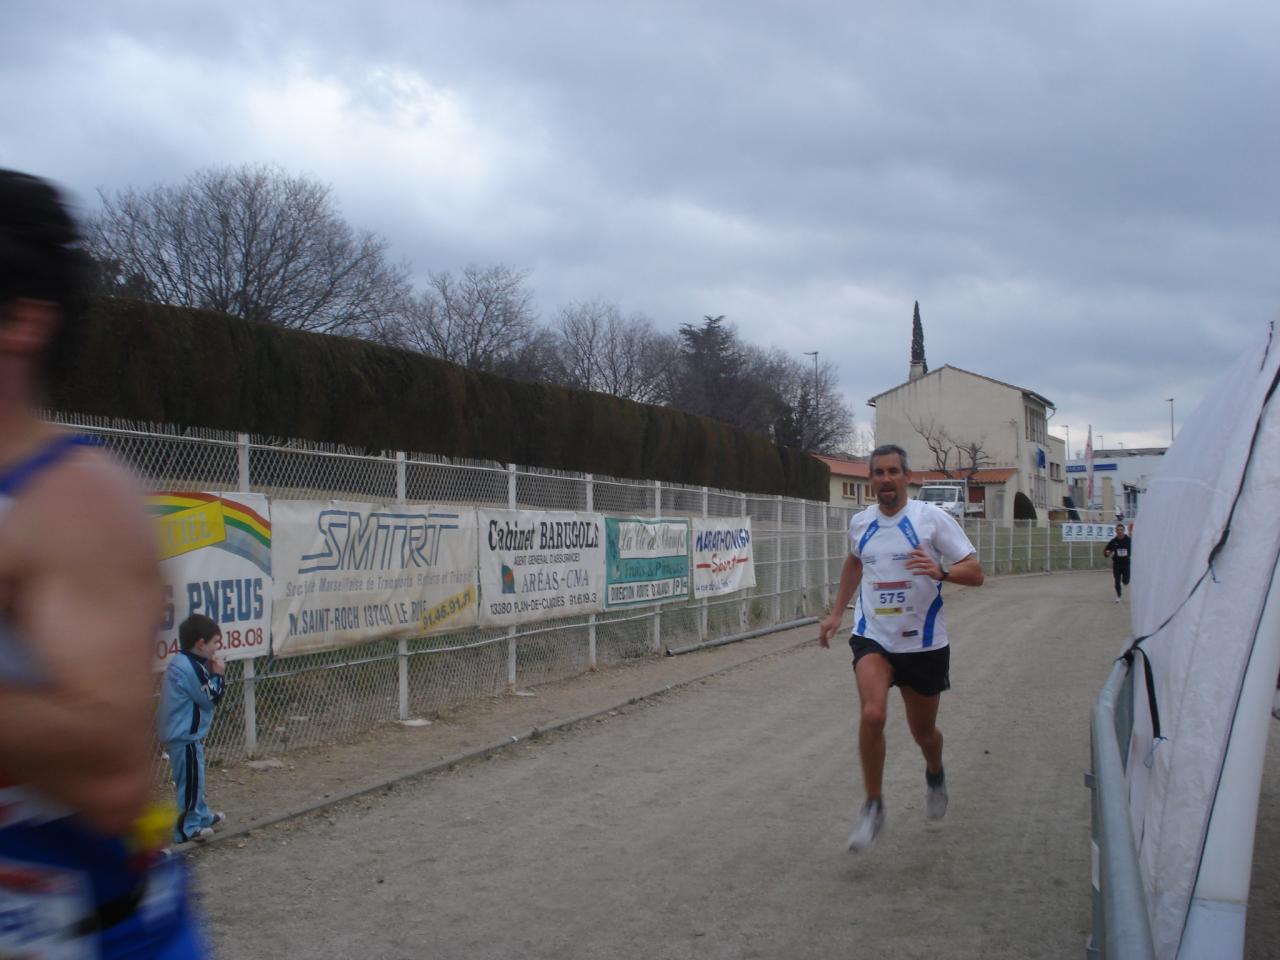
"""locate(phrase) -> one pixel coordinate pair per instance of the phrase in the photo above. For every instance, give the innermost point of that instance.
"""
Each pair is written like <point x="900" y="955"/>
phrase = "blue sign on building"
<point x="1080" y="467"/>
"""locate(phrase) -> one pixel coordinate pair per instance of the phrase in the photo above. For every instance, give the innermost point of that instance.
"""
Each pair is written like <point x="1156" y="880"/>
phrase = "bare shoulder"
<point x="84" y="510"/>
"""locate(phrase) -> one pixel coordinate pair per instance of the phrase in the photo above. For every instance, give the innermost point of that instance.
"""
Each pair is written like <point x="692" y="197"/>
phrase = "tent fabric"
<point x="1196" y="604"/>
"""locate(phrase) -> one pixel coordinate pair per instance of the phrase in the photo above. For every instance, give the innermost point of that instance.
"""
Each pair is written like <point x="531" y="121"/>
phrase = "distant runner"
<point x="1119" y="548"/>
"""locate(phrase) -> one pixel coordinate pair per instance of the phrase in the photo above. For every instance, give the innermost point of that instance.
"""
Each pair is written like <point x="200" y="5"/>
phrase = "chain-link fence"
<point x="277" y="704"/>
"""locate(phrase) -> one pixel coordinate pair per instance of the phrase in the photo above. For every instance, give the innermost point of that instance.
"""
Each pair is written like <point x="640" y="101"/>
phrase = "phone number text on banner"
<point x="351" y="572"/>
<point x="215" y="559"/>
<point x="539" y="566"/>
<point x="647" y="561"/>
<point x="723" y="560"/>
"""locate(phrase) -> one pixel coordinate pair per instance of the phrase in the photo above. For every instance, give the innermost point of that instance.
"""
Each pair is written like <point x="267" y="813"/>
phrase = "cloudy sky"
<point x="1083" y="196"/>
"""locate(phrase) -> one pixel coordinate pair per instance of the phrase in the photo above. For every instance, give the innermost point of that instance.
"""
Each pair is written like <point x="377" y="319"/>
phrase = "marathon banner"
<point x="722" y="556"/>
<point x="1088" y="532"/>
<point x="647" y="561"/>
<point x="539" y="566"/>
<point x="351" y="572"/>
<point x="215" y="559"/>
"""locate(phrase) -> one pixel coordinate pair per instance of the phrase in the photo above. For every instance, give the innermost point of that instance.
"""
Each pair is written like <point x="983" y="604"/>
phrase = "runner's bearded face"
<point x="890" y="482"/>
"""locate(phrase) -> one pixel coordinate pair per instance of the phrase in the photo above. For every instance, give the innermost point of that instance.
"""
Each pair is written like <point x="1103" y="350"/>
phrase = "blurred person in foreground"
<point x="82" y="868"/>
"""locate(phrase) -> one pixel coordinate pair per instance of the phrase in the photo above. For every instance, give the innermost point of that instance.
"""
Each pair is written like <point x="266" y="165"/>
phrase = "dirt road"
<point x="710" y="822"/>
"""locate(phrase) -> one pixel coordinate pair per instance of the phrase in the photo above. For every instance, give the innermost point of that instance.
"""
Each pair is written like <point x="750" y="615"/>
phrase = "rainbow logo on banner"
<point x="186" y="522"/>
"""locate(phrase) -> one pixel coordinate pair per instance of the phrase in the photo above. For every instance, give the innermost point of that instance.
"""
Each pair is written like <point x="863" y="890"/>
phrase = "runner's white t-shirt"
<point x="896" y="608"/>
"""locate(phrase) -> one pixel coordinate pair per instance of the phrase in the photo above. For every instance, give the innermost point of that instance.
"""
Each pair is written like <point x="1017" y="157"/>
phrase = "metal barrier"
<point x="1121" y="925"/>
<point x="275" y="705"/>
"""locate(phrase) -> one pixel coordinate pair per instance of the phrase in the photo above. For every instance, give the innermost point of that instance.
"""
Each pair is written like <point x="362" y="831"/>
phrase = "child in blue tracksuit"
<point x="193" y="685"/>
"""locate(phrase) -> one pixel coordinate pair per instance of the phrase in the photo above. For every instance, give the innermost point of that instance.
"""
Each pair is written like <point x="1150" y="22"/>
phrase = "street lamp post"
<point x="1170" y="402"/>
<point x="1067" y="427"/>
<point x="814" y="354"/>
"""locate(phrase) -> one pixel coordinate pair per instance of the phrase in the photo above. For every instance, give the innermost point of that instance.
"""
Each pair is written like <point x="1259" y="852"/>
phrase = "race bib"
<point x="39" y="907"/>
<point x="1121" y="552"/>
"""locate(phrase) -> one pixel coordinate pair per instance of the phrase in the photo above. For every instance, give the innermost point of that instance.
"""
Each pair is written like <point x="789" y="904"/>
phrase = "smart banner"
<point x="1088" y="532"/>
<point x="215" y="558"/>
<point x="351" y="572"/>
<point x="723" y="560"/>
<point x="539" y="566"/>
<point x="646" y="561"/>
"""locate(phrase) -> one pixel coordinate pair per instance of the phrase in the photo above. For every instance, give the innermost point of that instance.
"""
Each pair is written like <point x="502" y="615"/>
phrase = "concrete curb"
<point x="438" y="765"/>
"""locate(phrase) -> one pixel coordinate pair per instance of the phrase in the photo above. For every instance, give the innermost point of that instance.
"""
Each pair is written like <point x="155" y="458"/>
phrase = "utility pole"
<point x="1170" y="421"/>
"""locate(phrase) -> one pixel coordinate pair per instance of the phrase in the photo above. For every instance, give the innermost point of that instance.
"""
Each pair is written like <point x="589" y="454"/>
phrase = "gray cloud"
<point x="1083" y="197"/>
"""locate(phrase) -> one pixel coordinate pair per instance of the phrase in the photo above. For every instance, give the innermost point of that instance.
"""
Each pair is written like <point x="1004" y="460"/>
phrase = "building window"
<point x="1055" y="471"/>
<point x="849" y="489"/>
<point x="1035" y="423"/>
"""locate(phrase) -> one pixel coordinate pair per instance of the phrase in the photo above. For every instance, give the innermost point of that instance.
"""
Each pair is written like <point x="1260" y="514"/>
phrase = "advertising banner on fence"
<point x="723" y="561"/>
<point x="350" y="572"/>
<point x="539" y="566"/>
<point x="1088" y="532"/>
<point x="647" y="561"/>
<point x="215" y="558"/>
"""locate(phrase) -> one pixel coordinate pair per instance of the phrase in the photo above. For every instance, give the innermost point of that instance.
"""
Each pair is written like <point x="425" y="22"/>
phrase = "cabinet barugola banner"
<point x="539" y="566"/>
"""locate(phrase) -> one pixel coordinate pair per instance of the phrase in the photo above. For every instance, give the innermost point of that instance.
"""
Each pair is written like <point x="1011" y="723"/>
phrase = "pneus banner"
<point x="646" y="561"/>
<point x="539" y="566"/>
<point x="723" y="560"/>
<point x="215" y="559"/>
<point x="351" y="572"/>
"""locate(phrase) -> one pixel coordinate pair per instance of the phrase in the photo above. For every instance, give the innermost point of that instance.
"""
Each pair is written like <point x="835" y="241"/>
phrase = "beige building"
<point x="850" y="481"/>
<point x="948" y="417"/>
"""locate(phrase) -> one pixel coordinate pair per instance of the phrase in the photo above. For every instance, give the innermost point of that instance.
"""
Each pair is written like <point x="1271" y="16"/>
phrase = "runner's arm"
<point x="850" y="577"/>
<point x="86" y="600"/>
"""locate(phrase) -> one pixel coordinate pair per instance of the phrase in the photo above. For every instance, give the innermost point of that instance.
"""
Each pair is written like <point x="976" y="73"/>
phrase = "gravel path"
<point x="710" y="821"/>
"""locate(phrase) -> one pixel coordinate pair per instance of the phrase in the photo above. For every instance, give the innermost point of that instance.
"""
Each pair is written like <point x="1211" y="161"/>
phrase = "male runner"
<point x="1119" y="548"/>
<point x="905" y="548"/>
<point x="81" y="870"/>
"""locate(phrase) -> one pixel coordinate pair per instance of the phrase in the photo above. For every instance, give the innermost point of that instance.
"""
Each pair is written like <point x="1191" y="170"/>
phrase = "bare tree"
<point x="481" y="319"/>
<point x="604" y="351"/>
<point x="251" y="241"/>
<point x="970" y="456"/>
<point x="938" y="440"/>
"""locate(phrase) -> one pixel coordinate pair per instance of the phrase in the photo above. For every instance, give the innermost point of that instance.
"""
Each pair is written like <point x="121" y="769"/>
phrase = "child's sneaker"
<point x="218" y="819"/>
<point x="206" y="833"/>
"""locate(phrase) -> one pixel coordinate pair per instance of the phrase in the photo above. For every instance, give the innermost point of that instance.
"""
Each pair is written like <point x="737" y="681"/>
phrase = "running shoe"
<point x="219" y="818"/>
<point x="206" y="833"/>
<point x="935" y="799"/>
<point x="870" y="822"/>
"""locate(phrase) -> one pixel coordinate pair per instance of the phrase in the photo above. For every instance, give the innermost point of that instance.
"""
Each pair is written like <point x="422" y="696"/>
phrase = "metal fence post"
<point x="402" y="645"/>
<point x="591" y="618"/>
<point x="826" y="557"/>
<point x="742" y="604"/>
<point x="511" y="631"/>
<point x="242" y="460"/>
<point x="657" y="609"/>
<point x="250" y="694"/>
<point x="777" y="562"/>
<point x="804" y="556"/>
<point x="702" y="605"/>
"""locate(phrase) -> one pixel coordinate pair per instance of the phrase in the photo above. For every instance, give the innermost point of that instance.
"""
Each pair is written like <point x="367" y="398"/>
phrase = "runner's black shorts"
<point x="927" y="672"/>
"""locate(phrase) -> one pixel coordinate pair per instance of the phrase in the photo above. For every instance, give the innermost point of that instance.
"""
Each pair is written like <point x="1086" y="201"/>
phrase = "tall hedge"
<point x="196" y="368"/>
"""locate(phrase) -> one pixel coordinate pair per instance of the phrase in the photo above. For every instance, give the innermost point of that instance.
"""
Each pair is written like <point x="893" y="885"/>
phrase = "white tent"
<point x="1207" y="612"/>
